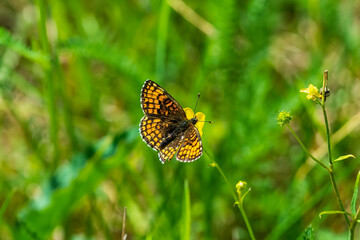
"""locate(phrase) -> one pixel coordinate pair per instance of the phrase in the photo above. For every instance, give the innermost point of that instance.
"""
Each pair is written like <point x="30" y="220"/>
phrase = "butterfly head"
<point x="194" y="120"/>
<point x="197" y="119"/>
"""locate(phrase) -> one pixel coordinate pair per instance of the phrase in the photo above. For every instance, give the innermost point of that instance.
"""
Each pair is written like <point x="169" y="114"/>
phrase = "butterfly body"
<point x="165" y="127"/>
<point x="179" y="129"/>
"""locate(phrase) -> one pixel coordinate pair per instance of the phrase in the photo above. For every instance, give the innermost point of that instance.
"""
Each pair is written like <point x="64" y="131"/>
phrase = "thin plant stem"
<point x="327" y="134"/>
<point x="162" y="36"/>
<point x="353" y="224"/>
<point x="305" y="149"/>
<point x="66" y="104"/>
<point x="123" y="225"/>
<point x="242" y="211"/>
<point x="237" y="200"/>
<point x="48" y="84"/>
<point x="331" y="167"/>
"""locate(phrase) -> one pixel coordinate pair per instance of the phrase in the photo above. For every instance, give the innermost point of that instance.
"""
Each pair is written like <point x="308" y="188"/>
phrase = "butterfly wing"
<point x="191" y="146"/>
<point x="159" y="126"/>
<point x="152" y="131"/>
<point x="169" y="151"/>
<point x="156" y="102"/>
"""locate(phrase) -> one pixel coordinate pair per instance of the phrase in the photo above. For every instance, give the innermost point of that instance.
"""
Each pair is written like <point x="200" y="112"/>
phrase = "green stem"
<point x="327" y="133"/>
<point x="305" y="149"/>
<point x="66" y="104"/>
<point x="331" y="167"/>
<point x="331" y="171"/>
<point x="353" y="224"/>
<point x="237" y="200"/>
<point x="333" y="183"/>
<point x="49" y="88"/>
<point x="42" y="27"/>
<point x="162" y="35"/>
<point x="242" y="211"/>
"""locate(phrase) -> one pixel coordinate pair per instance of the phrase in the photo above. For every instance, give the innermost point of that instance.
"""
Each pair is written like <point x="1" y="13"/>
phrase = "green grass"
<point x="71" y="157"/>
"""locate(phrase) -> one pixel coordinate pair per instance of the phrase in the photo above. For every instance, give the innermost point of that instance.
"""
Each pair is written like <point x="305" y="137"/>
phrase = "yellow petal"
<point x="200" y="124"/>
<point x="309" y="96"/>
<point x="189" y="113"/>
<point x="199" y="116"/>
<point x="312" y="88"/>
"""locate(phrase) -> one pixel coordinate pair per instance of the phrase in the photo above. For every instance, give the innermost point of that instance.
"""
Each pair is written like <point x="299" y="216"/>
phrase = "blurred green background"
<point x="71" y="157"/>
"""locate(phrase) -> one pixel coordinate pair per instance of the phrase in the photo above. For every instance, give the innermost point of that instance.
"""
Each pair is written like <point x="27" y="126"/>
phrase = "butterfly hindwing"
<point x="169" y="151"/>
<point x="152" y="131"/>
<point x="191" y="146"/>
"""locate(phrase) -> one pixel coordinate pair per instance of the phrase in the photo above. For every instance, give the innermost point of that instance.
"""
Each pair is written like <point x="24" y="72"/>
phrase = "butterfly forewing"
<point x="191" y="146"/>
<point x="156" y="102"/>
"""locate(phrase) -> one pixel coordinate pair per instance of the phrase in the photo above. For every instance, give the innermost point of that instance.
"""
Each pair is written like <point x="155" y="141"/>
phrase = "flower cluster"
<point x="283" y="118"/>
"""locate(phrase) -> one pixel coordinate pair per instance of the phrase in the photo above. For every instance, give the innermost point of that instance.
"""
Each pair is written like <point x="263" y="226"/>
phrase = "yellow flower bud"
<point x="283" y="118"/>
<point x="240" y="186"/>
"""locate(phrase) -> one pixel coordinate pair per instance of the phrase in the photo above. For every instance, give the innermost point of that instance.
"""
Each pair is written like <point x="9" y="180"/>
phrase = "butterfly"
<point x="166" y="127"/>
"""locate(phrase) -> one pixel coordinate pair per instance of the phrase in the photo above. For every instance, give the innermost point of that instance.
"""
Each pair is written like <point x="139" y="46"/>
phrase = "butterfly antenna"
<point x="197" y="100"/>
<point x="196" y="106"/>
<point x="206" y="121"/>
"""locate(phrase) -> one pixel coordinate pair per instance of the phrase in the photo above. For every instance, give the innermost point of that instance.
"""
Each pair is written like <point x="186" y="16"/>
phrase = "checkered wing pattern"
<point x="169" y="151"/>
<point x="156" y="102"/>
<point x="191" y="146"/>
<point x="152" y="131"/>
<point x="165" y="127"/>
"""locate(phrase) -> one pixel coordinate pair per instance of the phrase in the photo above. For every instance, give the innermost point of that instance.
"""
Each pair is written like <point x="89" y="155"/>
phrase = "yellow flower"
<point x="312" y="92"/>
<point x="283" y="118"/>
<point x="240" y="186"/>
<point x="199" y="116"/>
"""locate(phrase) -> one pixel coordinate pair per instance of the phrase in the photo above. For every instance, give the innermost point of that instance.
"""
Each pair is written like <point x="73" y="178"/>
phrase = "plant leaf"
<point x="355" y="195"/>
<point x="333" y="212"/>
<point x="341" y="158"/>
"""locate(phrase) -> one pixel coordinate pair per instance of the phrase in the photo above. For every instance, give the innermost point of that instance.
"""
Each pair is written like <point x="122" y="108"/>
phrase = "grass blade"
<point x="5" y="204"/>
<point x="186" y="214"/>
<point x="355" y="195"/>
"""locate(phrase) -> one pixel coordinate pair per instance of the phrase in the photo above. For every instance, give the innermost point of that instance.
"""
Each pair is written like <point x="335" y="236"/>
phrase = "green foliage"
<point x="309" y="233"/>
<point x="355" y="195"/>
<point x="342" y="158"/>
<point x="8" y="41"/>
<point x="71" y="157"/>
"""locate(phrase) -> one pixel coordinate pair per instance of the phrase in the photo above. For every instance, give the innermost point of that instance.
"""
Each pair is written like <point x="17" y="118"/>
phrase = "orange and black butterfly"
<point x="166" y="127"/>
